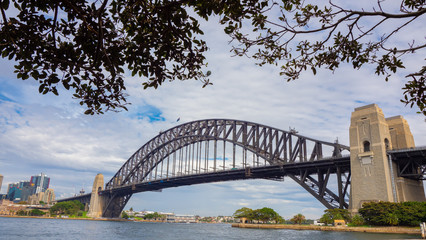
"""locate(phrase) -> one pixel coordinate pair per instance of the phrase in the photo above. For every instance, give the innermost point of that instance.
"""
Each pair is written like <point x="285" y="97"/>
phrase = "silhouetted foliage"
<point x="86" y="46"/>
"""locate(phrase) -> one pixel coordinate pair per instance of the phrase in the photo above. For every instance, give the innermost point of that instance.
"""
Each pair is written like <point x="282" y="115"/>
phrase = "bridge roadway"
<point x="273" y="172"/>
<point x="409" y="162"/>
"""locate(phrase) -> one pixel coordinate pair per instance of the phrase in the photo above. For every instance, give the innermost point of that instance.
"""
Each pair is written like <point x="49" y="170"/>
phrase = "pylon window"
<point x="366" y="146"/>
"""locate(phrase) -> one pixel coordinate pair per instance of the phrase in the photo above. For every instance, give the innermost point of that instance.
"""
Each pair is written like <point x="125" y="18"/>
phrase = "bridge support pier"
<point x="97" y="200"/>
<point x="374" y="174"/>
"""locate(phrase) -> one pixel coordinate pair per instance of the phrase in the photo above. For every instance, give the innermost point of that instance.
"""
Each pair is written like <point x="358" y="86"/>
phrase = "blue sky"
<point x="50" y="134"/>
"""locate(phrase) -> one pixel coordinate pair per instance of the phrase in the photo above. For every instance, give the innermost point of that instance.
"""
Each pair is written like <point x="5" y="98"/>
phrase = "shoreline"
<point x="391" y="230"/>
<point x="69" y="218"/>
<point x="97" y="219"/>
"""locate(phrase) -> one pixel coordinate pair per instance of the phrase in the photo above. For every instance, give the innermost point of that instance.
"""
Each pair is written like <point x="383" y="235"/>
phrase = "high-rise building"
<point x="40" y="183"/>
<point x="26" y="190"/>
<point x="13" y="191"/>
<point x="21" y="191"/>
<point x="1" y="181"/>
<point x="18" y="191"/>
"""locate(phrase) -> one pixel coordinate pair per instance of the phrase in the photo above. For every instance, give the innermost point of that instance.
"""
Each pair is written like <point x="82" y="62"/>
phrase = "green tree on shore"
<point x="244" y="212"/>
<point x="298" y="219"/>
<point x="124" y="215"/>
<point x="264" y="215"/>
<point x="357" y="220"/>
<point x="335" y="214"/>
<point x="67" y="208"/>
<point x="267" y="214"/>
<point x="154" y="216"/>
<point x="390" y="214"/>
<point x="21" y="213"/>
<point x="36" y="212"/>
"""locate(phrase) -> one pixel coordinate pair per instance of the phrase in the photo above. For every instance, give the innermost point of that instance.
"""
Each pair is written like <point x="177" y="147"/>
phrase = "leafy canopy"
<point x="154" y="216"/>
<point x="335" y="214"/>
<point x="67" y="208"/>
<point x="264" y="214"/>
<point x="298" y="218"/>
<point x="86" y="45"/>
<point x="389" y="214"/>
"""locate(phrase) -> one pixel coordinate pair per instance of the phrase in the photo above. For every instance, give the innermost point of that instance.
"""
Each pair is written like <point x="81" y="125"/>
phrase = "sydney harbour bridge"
<point x="216" y="150"/>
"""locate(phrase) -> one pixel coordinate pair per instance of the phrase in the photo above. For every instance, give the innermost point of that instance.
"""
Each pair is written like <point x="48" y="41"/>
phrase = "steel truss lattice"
<point x="220" y="149"/>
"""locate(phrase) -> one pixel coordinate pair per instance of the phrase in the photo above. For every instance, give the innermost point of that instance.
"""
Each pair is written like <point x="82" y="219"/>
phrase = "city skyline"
<point x="47" y="133"/>
<point x="23" y="189"/>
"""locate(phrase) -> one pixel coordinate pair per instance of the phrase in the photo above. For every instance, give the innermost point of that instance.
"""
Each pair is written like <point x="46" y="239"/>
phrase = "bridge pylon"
<point x="97" y="200"/>
<point x="374" y="174"/>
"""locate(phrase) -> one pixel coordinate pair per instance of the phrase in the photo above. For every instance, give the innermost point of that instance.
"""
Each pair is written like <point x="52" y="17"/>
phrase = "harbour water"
<point x="30" y="228"/>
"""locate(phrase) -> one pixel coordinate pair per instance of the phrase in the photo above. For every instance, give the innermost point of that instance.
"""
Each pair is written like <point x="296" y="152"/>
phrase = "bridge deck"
<point x="411" y="162"/>
<point x="265" y="172"/>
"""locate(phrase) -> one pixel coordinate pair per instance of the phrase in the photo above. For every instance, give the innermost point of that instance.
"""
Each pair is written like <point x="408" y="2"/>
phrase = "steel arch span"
<point x="221" y="150"/>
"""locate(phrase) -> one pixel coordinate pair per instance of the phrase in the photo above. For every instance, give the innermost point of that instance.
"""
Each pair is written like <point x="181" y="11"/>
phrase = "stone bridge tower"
<point x="96" y="200"/>
<point x="374" y="175"/>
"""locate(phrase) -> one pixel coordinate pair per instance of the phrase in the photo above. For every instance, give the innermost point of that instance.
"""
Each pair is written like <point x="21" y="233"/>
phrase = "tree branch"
<point x="3" y="14"/>
<point x="100" y="32"/>
<point x="411" y="49"/>
<point x="54" y="24"/>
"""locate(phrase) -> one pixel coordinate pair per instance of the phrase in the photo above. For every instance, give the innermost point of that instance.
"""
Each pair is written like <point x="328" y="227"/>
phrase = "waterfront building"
<point x="33" y="199"/>
<point x="8" y="208"/>
<point x="140" y="214"/>
<point x="47" y="197"/>
<point x="178" y="218"/>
